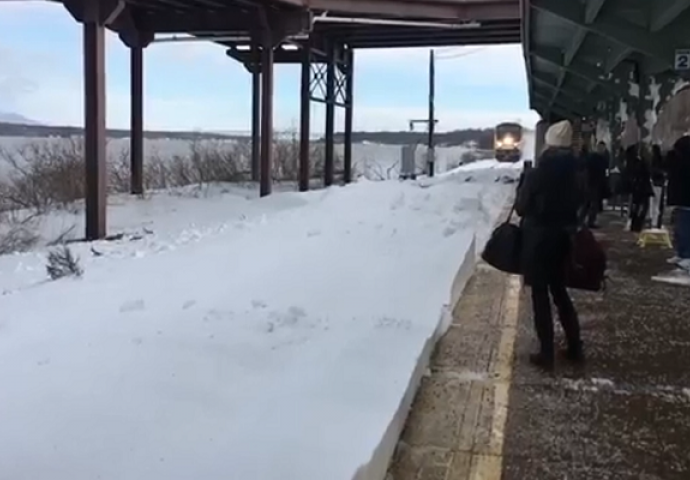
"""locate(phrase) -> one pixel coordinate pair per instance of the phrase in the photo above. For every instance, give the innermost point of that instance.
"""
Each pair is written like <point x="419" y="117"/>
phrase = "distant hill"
<point x="10" y="129"/>
<point x="15" y="118"/>
<point x="482" y="138"/>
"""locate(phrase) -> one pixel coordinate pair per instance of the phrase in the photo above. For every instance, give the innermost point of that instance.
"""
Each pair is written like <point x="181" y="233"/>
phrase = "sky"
<point x="195" y="86"/>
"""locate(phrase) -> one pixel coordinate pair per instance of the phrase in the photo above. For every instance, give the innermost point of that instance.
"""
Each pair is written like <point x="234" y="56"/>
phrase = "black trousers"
<point x="549" y="283"/>
<point x="543" y="316"/>
<point x="593" y="207"/>
<point x="638" y="214"/>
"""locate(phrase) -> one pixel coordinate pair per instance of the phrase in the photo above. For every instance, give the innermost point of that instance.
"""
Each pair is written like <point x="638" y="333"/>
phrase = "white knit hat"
<point x="560" y="134"/>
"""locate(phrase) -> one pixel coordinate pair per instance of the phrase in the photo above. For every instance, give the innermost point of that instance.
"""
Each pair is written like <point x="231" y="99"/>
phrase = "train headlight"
<point x="499" y="144"/>
<point x="508" y="140"/>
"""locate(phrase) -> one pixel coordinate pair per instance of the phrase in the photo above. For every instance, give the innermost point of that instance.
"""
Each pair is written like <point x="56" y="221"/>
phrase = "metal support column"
<point x="137" y="121"/>
<point x="256" y="111"/>
<point x="329" y="161"/>
<point x="431" y="153"/>
<point x="349" y="106"/>
<point x="266" y="163"/>
<point x="94" y="128"/>
<point x="305" y="120"/>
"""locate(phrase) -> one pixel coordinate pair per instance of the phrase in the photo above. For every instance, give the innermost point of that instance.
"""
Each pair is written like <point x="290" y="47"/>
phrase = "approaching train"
<point x="508" y="142"/>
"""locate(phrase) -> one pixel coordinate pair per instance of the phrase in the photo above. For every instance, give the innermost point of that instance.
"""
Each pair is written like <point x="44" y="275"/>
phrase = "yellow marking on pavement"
<point x="489" y="467"/>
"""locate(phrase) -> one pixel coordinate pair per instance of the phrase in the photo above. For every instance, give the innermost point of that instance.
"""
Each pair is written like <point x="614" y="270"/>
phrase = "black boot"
<point x="542" y="360"/>
<point x="574" y="353"/>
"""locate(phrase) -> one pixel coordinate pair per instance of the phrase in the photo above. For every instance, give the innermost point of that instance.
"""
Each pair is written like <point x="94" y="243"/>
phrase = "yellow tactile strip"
<point x="456" y="426"/>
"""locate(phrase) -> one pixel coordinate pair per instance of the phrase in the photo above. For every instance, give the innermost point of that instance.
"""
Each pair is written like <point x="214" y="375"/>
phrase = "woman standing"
<point x="548" y="202"/>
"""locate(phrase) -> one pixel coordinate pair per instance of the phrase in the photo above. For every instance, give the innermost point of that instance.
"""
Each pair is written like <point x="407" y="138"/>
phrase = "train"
<point x="508" y="142"/>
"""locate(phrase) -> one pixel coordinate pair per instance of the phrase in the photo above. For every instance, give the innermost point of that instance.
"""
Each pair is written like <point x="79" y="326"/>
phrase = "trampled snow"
<point x="242" y="338"/>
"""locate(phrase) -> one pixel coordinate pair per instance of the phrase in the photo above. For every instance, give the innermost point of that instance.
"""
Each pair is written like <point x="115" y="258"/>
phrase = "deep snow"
<point x="239" y="338"/>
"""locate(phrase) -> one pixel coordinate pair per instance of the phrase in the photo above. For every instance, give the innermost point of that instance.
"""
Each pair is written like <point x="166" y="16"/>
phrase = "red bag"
<point x="586" y="267"/>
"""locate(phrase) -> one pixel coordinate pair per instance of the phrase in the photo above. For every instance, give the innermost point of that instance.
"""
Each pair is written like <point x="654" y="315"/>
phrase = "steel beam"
<point x="429" y="9"/>
<point x="137" y="120"/>
<point x="329" y="161"/>
<point x="266" y="160"/>
<point x="550" y="84"/>
<point x="349" y="111"/>
<point x="665" y="11"/>
<point x="305" y="120"/>
<point x="614" y="29"/>
<point x="255" y="72"/>
<point x="435" y="41"/>
<point x="584" y="71"/>
<point x="592" y="10"/>
<point x="95" y="130"/>
<point x="224" y="21"/>
<point x="540" y="104"/>
<point x="572" y="106"/>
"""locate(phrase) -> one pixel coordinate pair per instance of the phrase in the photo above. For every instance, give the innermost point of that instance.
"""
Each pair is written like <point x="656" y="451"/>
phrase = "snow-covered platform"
<point x="232" y="337"/>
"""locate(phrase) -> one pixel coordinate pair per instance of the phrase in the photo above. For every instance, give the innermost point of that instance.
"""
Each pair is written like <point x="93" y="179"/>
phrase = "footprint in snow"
<point x="188" y="304"/>
<point x="449" y="231"/>
<point x="257" y="304"/>
<point x="132" y="306"/>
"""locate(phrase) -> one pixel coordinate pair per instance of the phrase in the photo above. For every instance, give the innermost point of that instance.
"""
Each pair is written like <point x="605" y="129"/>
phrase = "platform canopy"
<point x="575" y="49"/>
<point x="357" y="23"/>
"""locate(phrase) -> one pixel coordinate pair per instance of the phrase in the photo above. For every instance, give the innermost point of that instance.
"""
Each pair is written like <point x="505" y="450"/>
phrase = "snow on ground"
<point x="246" y="338"/>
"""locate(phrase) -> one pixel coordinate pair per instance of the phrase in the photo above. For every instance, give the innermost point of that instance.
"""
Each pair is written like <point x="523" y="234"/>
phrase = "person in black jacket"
<point x="640" y="183"/>
<point x="597" y="183"/>
<point x="548" y="202"/>
<point x="679" y="197"/>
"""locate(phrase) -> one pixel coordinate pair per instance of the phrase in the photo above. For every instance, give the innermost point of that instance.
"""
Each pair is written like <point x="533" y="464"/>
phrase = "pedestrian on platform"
<point x="548" y="202"/>
<point x="597" y="183"/>
<point x="640" y="184"/>
<point x="658" y="184"/>
<point x="679" y="197"/>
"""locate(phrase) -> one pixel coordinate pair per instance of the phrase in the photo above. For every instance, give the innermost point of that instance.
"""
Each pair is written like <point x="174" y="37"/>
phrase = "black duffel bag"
<point x="504" y="249"/>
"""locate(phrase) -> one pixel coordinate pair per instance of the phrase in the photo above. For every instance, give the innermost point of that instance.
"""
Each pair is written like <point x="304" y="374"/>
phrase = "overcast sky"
<point x="195" y="86"/>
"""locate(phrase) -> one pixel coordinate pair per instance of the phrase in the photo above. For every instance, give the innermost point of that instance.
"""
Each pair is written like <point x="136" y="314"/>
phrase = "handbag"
<point x="504" y="248"/>
<point x="587" y="263"/>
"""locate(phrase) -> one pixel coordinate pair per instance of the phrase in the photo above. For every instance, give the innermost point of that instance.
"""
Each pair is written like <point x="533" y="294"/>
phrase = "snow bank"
<point x="273" y="343"/>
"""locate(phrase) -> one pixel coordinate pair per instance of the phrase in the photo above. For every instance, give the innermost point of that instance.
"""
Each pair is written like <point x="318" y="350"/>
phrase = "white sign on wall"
<point x="682" y="61"/>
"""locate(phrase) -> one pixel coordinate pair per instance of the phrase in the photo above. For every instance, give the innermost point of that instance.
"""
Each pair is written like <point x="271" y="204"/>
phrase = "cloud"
<point x="195" y="85"/>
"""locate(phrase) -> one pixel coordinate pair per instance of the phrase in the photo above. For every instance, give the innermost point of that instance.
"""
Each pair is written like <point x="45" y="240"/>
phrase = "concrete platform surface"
<point x="626" y="413"/>
<point x="482" y="412"/>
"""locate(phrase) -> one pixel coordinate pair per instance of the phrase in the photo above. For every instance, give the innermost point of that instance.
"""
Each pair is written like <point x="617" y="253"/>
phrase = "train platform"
<point x="483" y="412"/>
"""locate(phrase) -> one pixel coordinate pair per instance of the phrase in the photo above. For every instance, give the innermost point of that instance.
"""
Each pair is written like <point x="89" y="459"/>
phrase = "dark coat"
<point x="637" y="177"/>
<point x="678" y="167"/>
<point x="597" y="180"/>
<point x="548" y="202"/>
<point x="658" y="167"/>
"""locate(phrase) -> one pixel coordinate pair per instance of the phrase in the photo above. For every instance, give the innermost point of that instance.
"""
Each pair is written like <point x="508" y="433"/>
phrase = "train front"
<point x="508" y="142"/>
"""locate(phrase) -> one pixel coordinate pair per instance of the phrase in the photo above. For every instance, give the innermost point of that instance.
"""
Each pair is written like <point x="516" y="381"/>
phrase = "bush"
<point x="41" y="175"/>
<point x="16" y="234"/>
<point x="62" y="263"/>
<point x="47" y="174"/>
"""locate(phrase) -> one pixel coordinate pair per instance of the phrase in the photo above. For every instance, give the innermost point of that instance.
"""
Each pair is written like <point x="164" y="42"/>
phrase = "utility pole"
<point x="432" y="120"/>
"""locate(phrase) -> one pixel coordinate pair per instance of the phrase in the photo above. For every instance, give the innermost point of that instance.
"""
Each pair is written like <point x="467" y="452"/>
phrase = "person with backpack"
<point x="549" y="201"/>
<point x="678" y="196"/>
